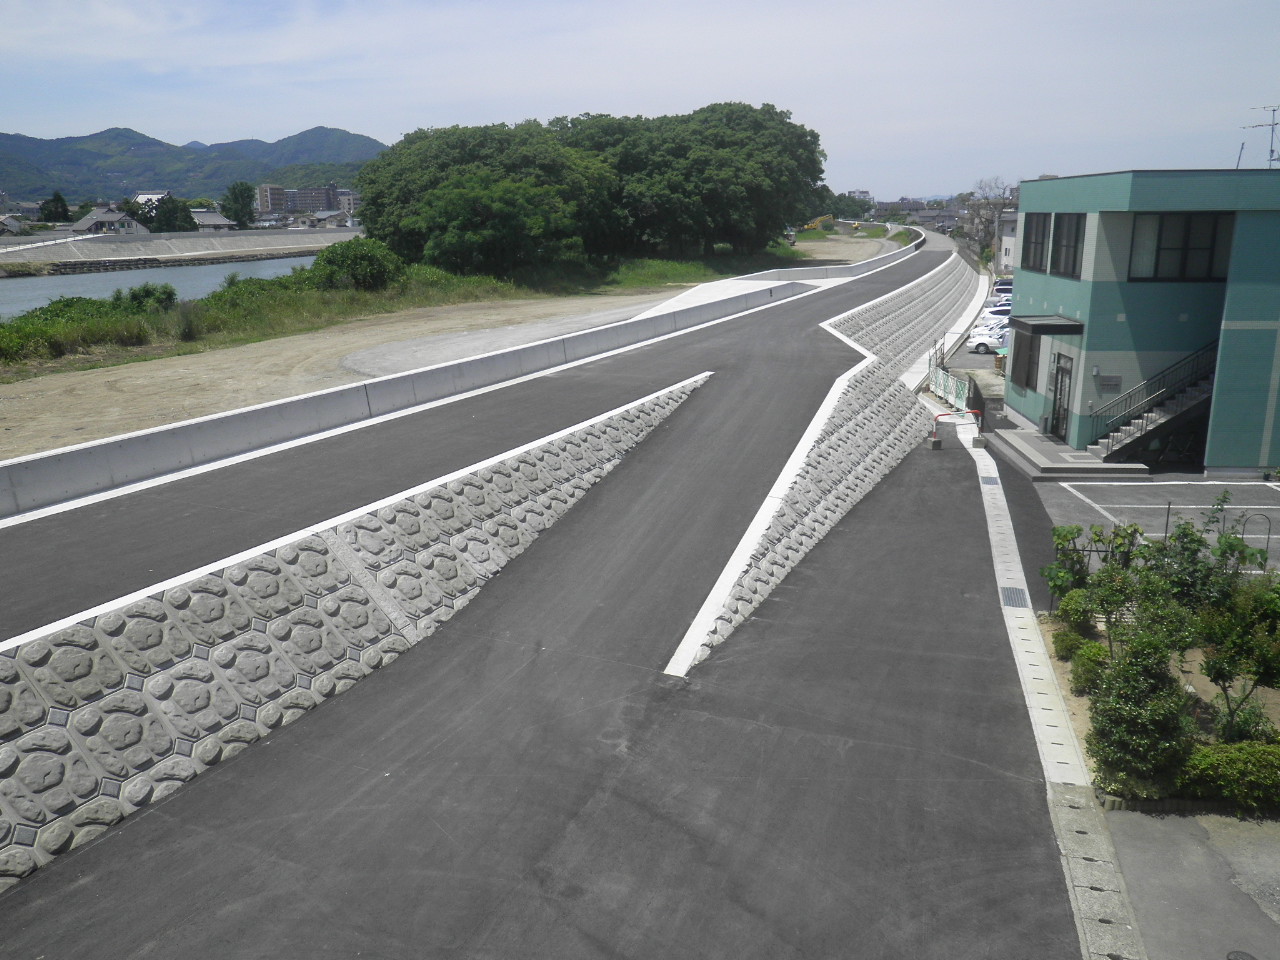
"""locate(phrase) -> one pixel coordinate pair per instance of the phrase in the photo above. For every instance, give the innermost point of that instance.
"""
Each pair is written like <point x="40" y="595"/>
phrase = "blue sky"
<point x="910" y="97"/>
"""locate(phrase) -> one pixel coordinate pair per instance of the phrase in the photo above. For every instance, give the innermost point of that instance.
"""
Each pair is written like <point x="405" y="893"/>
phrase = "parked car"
<point x="992" y="313"/>
<point x="998" y="325"/>
<point x="1002" y="286"/>
<point x="986" y="342"/>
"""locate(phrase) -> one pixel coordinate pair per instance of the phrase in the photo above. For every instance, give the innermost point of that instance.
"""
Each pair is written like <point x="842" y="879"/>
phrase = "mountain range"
<point x="118" y="162"/>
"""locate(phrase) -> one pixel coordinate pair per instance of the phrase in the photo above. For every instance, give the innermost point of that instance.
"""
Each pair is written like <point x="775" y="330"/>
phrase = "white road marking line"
<point x="317" y="528"/>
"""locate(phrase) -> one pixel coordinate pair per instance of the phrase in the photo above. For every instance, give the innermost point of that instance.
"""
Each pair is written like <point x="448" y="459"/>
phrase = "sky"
<point x="910" y="97"/>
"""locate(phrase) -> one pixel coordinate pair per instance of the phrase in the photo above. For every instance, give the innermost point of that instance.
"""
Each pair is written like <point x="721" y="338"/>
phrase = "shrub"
<point x="360" y="263"/>
<point x="1076" y="610"/>
<point x="1247" y="774"/>
<point x="1089" y="664"/>
<point x="1247" y="722"/>
<point x="1066" y="643"/>
<point x="1141" y="731"/>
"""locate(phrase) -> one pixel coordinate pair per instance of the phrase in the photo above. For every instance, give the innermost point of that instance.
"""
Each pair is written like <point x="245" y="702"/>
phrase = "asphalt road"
<point x="773" y="368"/>
<point x="852" y="774"/>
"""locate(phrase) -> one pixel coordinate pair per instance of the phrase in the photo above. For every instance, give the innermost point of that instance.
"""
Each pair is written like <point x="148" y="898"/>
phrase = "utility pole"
<point x="1271" y="152"/>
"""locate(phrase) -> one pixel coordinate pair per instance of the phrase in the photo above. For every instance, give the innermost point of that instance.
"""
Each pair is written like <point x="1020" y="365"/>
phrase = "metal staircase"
<point x="1153" y="403"/>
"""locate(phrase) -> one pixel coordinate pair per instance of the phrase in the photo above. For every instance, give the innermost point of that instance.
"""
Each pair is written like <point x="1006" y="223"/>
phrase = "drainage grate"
<point x="991" y="481"/>
<point x="1014" y="597"/>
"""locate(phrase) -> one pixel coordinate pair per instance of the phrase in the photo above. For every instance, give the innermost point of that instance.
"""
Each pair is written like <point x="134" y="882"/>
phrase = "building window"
<point x="1068" y="242"/>
<point x="1026" y="359"/>
<point x="1035" y="238"/>
<point x="1181" y="246"/>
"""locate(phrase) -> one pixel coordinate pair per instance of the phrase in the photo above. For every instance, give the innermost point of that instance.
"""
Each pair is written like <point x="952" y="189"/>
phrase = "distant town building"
<point x="11" y="224"/>
<point x="106" y="220"/>
<point x="273" y="198"/>
<point x="210" y="221"/>
<point x="151" y="198"/>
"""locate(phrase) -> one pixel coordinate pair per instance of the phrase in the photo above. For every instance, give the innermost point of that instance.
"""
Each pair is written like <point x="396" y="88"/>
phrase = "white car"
<point x="984" y="342"/>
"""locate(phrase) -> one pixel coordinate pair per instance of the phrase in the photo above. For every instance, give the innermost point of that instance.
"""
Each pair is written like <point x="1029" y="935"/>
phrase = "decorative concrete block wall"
<point x="868" y="427"/>
<point x="102" y="717"/>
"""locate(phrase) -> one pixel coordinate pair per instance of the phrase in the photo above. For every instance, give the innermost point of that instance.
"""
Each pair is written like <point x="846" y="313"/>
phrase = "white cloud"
<point x="918" y="96"/>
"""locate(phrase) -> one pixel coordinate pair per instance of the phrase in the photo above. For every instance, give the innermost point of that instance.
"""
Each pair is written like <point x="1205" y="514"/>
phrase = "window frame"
<point x="1066" y="248"/>
<point x="1176" y="252"/>
<point x="1025" y="362"/>
<point x="1035" y="241"/>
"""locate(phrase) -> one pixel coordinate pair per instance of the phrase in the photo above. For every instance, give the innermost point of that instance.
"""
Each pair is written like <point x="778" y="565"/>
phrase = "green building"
<point x="1146" y="313"/>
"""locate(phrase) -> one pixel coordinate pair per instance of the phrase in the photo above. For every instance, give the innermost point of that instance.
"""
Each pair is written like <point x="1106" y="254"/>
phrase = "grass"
<point x="24" y="269"/>
<point x="76" y="333"/>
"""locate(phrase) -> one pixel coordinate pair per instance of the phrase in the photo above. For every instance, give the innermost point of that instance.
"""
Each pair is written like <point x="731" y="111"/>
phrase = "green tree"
<point x="1241" y="642"/>
<point x="398" y="205"/>
<point x="172" y="216"/>
<point x="237" y="203"/>
<point x="55" y="209"/>
<point x="478" y="222"/>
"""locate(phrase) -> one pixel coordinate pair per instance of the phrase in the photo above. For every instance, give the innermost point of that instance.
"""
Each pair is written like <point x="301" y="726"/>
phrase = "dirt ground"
<point x="62" y="409"/>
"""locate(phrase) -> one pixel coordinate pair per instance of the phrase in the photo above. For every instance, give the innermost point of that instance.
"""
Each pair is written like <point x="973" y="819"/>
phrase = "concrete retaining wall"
<point x="100" y="717"/>
<point x="871" y="420"/>
<point x="33" y="249"/>
<point x="40" y="480"/>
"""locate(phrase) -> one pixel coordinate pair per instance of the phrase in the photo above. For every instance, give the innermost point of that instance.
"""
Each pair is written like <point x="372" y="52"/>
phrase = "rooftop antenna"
<point x="1271" y="153"/>
<point x="1240" y="154"/>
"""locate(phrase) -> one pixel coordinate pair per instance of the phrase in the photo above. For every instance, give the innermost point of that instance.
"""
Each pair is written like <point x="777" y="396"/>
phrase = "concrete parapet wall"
<point x="40" y="480"/>
<point x="102" y="716"/>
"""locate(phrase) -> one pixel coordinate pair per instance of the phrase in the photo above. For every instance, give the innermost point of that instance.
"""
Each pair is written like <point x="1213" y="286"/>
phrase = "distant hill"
<point x="119" y="162"/>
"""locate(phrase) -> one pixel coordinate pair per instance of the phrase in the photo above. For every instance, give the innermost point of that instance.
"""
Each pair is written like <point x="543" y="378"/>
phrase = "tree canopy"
<point x="499" y="198"/>
<point x="237" y="203"/>
<point x="172" y="216"/>
<point x="55" y="209"/>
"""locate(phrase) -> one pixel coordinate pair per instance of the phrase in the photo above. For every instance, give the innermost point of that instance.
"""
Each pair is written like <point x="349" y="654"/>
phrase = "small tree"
<point x="237" y="203"/>
<point x="1241" y="642"/>
<point x="173" y="216"/>
<point x="55" y="209"/>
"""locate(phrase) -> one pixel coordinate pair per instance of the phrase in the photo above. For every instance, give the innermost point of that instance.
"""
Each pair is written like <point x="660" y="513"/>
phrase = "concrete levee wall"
<point x="100" y="717"/>
<point x="40" y="480"/>
<point x="156" y="245"/>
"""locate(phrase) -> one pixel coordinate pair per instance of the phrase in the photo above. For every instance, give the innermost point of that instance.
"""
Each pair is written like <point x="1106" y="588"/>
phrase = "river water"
<point x="20" y="294"/>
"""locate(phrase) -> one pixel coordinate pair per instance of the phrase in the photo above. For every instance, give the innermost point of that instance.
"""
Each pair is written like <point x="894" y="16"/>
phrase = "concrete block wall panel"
<point x="29" y="483"/>
<point x="873" y="424"/>
<point x="102" y="717"/>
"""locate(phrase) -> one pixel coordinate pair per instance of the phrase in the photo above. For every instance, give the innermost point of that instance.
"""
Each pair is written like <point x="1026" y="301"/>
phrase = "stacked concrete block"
<point x="902" y="326"/>
<point x="871" y="427"/>
<point x="105" y="716"/>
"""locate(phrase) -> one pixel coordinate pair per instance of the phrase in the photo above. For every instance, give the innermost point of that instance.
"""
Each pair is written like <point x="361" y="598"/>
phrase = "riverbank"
<point x="75" y="406"/>
<point x="16" y="271"/>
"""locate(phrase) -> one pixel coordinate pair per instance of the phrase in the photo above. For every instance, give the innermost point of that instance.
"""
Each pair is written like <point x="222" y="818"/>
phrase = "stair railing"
<point x="1152" y="392"/>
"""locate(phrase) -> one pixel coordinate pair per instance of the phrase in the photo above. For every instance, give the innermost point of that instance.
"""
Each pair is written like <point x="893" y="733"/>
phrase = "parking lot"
<point x="1157" y="505"/>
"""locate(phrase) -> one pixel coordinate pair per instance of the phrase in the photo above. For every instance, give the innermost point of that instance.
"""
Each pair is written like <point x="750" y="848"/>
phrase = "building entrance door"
<point x="1061" y="397"/>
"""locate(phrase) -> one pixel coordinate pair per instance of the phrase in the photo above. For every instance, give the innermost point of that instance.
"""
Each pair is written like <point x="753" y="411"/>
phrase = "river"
<point x="20" y="294"/>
